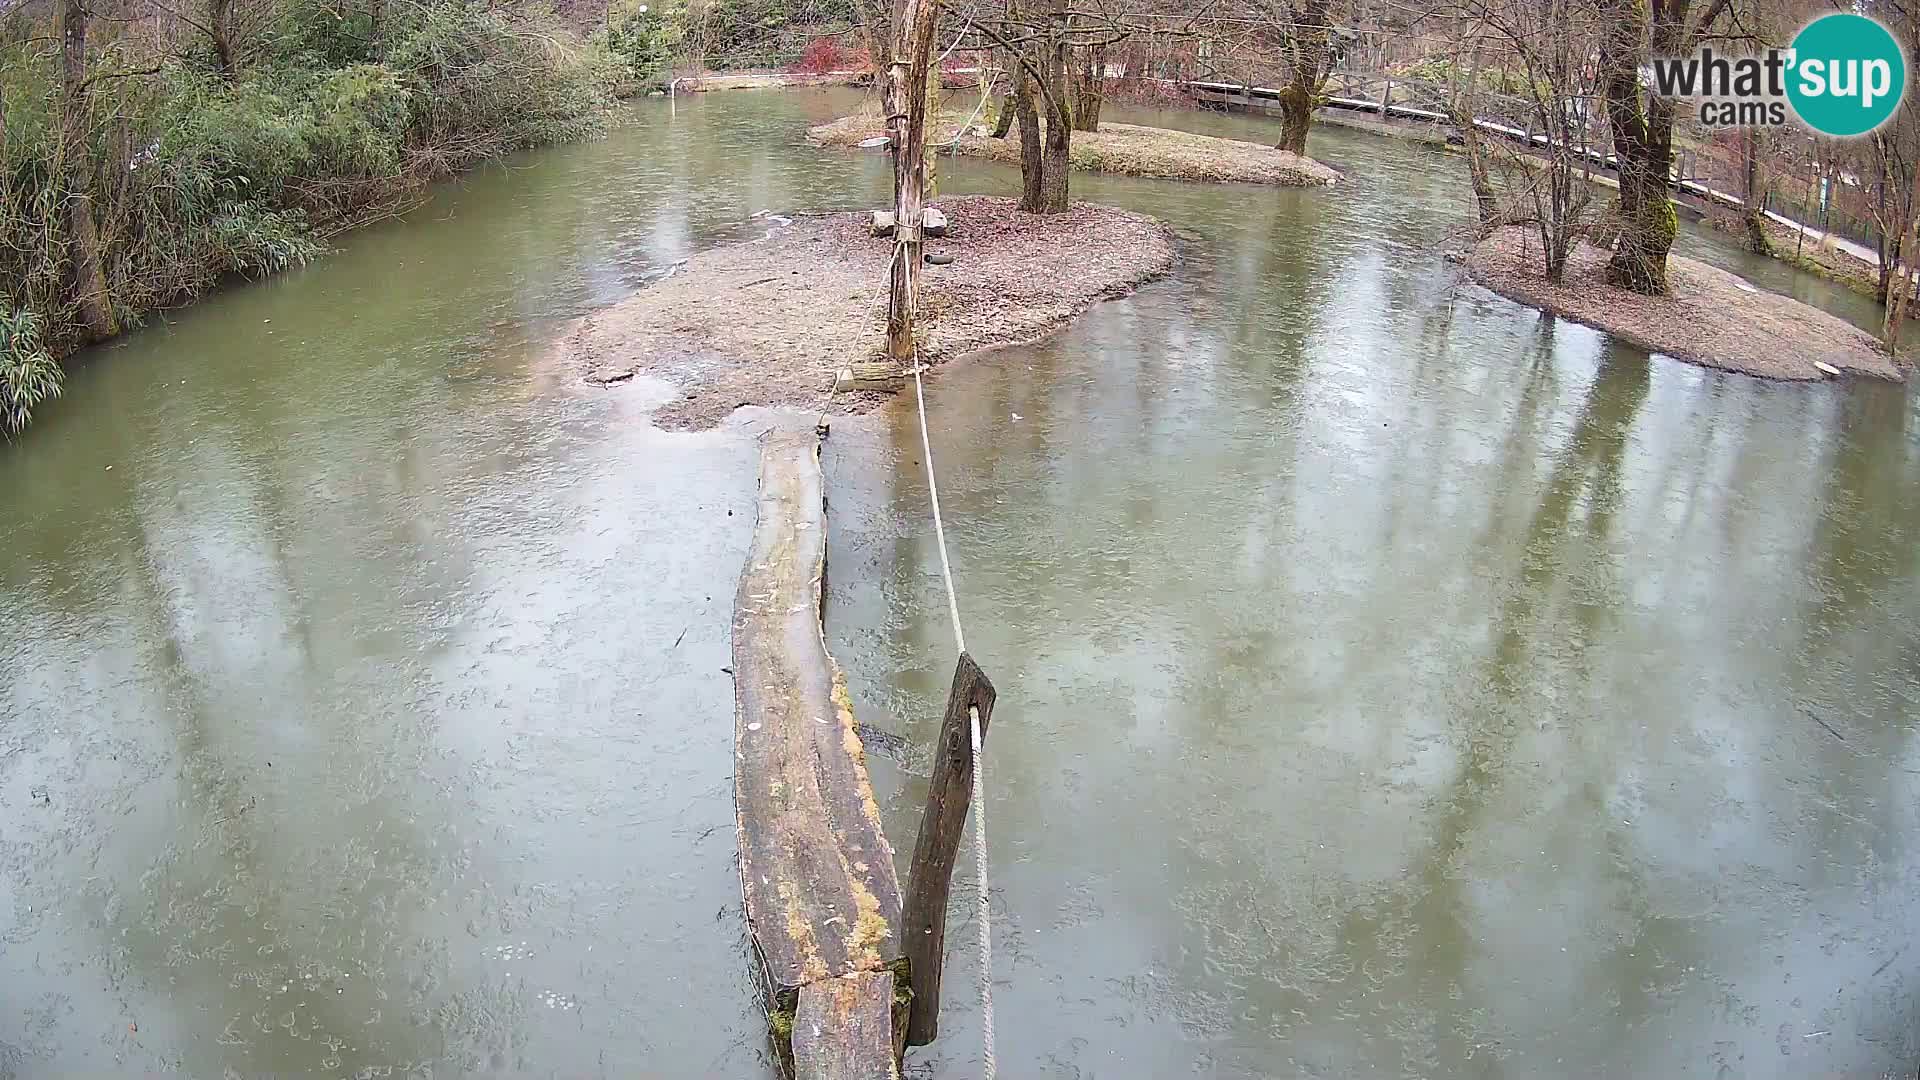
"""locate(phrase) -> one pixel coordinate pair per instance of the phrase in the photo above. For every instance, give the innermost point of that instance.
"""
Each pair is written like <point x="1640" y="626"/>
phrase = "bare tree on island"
<point x="1038" y="40"/>
<point x="1642" y="123"/>
<point x="1754" y="144"/>
<point x="1527" y="63"/>
<point x="1089" y="77"/>
<point x="1056" y="59"/>
<point x="1895" y="156"/>
<point x="1305" y="34"/>
<point x="1293" y="44"/>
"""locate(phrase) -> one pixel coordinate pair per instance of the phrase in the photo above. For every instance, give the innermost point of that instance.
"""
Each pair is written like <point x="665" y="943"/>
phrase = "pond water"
<point x="1393" y="681"/>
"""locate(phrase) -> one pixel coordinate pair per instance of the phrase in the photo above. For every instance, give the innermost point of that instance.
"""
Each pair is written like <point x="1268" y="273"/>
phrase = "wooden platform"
<point x="822" y="899"/>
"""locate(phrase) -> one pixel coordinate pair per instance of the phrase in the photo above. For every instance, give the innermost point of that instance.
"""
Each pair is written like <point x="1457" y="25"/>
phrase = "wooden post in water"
<point x="930" y="877"/>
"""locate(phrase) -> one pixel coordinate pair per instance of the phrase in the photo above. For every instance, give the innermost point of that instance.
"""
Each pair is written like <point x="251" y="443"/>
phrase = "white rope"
<point x="983" y="912"/>
<point x="986" y="94"/>
<point x="956" y="44"/>
<point x="939" y="529"/>
<point x="980" y="895"/>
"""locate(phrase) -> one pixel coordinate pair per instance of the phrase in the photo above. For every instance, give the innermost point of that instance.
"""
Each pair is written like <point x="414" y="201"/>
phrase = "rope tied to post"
<point x="982" y="912"/>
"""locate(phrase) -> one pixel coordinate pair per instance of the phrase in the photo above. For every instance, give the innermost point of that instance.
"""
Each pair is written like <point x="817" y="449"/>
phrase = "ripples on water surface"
<point x="1393" y="681"/>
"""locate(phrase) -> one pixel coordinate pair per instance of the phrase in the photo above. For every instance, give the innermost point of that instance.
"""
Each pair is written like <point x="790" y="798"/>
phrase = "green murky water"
<point x="1393" y="681"/>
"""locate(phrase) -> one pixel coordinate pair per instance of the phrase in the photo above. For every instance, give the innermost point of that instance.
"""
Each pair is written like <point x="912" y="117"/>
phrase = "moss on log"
<point x="822" y="900"/>
<point x="844" y="1028"/>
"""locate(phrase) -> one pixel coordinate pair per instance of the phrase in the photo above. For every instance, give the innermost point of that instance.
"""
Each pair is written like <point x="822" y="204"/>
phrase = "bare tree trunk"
<point x="1643" y="144"/>
<point x="1890" y="254"/>
<point x="1555" y="253"/>
<point x="1296" y="117"/>
<point x="1464" y="118"/>
<point x="89" y="281"/>
<point x="1485" y="201"/>
<point x="1646" y="220"/>
<point x="1900" y="284"/>
<point x="220" y="30"/>
<point x="1644" y="215"/>
<point x="1559" y="210"/>
<point x="1308" y="52"/>
<point x="913" y="23"/>
<point x="1090" y="89"/>
<point x="875" y="36"/>
<point x="377" y="27"/>
<point x="1899" y="289"/>
<point x="1032" y="164"/>
<point x="1003" y="116"/>
<point x="1053" y="181"/>
<point x="1754" y="212"/>
<point x="1003" y="111"/>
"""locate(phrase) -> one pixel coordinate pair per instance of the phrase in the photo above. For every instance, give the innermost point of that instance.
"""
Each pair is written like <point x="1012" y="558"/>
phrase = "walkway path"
<point x="1248" y="94"/>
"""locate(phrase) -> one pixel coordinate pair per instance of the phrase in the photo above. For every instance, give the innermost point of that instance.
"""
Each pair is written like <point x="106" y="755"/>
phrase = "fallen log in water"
<point x="844" y="1028"/>
<point x="822" y="899"/>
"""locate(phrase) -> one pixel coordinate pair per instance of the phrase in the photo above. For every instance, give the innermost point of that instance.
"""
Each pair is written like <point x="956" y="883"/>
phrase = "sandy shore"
<point x="772" y="321"/>
<point x="1126" y="149"/>
<point x="1713" y="318"/>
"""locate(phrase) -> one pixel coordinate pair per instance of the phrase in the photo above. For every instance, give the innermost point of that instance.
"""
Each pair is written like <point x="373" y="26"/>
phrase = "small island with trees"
<point x="154" y="150"/>
<point x="427" y="527"/>
<point x="1546" y="239"/>
<point x="1546" y="233"/>
<point x="798" y="318"/>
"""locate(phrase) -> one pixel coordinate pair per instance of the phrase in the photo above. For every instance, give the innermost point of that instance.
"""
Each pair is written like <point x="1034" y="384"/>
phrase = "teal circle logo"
<point x="1847" y="76"/>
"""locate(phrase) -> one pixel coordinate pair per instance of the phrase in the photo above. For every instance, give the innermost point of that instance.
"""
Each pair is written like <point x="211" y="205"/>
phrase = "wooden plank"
<point x="816" y="871"/>
<point x="931" y="874"/>
<point x="843" y="1029"/>
<point x="884" y="375"/>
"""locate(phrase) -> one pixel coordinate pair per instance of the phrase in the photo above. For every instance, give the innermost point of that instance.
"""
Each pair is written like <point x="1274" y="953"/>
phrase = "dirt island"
<point x="1712" y="317"/>
<point x="773" y="321"/>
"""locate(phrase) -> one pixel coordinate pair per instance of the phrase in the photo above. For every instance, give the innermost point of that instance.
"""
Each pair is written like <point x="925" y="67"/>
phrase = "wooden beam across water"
<point x="822" y="899"/>
<point x="844" y="1028"/>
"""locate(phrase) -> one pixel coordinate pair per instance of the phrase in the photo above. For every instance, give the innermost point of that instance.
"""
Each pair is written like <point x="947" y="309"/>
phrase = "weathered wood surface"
<point x="883" y="375"/>
<point x="816" y="871"/>
<point x="933" y="223"/>
<point x="843" y="1029"/>
<point x="930" y="877"/>
<point x="906" y="106"/>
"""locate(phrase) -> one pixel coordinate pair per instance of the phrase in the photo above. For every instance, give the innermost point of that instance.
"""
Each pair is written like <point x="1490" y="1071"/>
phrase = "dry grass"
<point x="770" y="322"/>
<point x="1126" y="149"/>
<point x="1713" y="318"/>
